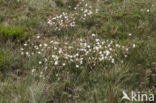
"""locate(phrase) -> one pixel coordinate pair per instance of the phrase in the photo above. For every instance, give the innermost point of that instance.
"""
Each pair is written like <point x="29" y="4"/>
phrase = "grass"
<point x="5" y="60"/>
<point x="69" y="51"/>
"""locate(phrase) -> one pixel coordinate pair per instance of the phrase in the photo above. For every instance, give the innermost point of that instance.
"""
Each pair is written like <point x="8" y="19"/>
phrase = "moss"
<point x="13" y="33"/>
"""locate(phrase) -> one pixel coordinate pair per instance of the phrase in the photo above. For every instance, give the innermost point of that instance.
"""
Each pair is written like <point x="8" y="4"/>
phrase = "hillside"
<point x="76" y="51"/>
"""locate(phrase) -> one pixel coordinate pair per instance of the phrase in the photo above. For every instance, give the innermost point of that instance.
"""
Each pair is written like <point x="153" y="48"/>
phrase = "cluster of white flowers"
<point x="68" y="20"/>
<point x="77" y="53"/>
<point x="62" y="21"/>
<point x="85" y="10"/>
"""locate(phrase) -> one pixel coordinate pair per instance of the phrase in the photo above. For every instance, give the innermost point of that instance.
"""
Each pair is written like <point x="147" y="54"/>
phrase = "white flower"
<point x="45" y="44"/>
<point x="93" y="35"/>
<point x="22" y="49"/>
<point x="33" y="70"/>
<point x="22" y="53"/>
<point x="103" y="42"/>
<point x="40" y="45"/>
<point x="90" y="12"/>
<point x="70" y="47"/>
<point x="72" y="24"/>
<point x="97" y="48"/>
<point x="97" y="10"/>
<point x="50" y="22"/>
<point x="113" y="61"/>
<point x="110" y="49"/>
<point x="97" y="40"/>
<point x="81" y="62"/>
<point x="40" y="62"/>
<point x="64" y="64"/>
<point x="38" y="37"/>
<point x="77" y="54"/>
<point x="55" y="48"/>
<point x="27" y="53"/>
<point x="86" y="11"/>
<point x="130" y="34"/>
<point x="56" y="43"/>
<point x="51" y="41"/>
<point x="36" y="47"/>
<point x="125" y="56"/>
<point x="148" y="10"/>
<point x="41" y="73"/>
<point x="117" y="45"/>
<point x="127" y="49"/>
<point x="39" y="52"/>
<point x="60" y="51"/>
<point x="134" y="45"/>
<point x="57" y="75"/>
<point x="106" y="57"/>
<point x="56" y="63"/>
<point x="45" y="59"/>
<point x="77" y="66"/>
<point x="88" y="46"/>
<point x="25" y="44"/>
<point x="45" y="68"/>
<point x="107" y="52"/>
<point x="100" y="52"/>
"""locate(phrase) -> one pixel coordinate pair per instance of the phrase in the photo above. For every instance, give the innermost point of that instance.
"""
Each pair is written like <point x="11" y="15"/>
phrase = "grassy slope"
<point x="100" y="84"/>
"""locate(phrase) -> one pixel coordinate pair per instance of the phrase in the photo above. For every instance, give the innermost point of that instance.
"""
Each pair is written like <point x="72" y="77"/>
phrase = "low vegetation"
<point x="13" y="33"/>
<point x="76" y="51"/>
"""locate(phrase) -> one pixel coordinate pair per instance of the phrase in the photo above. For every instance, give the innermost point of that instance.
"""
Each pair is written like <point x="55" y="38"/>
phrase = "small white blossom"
<point x="25" y="44"/>
<point x="93" y="35"/>
<point x="40" y="62"/>
<point x="130" y="34"/>
<point x="38" y="37"/>
<point x="134" y="45"/>
<point x="22" y="53"/>
<point x="77" y="66"/>
<point x="39" y="52"/>
<point x="56" y="63"/>
<point x="22" y="49"/>
<point x="33" y="70"/>
<point x="126" y="56"/>
<point x="107" y="52"/>
<point x="40" y="45"/>
<point x="63" y="64"/>
<point x="45" y="44"/>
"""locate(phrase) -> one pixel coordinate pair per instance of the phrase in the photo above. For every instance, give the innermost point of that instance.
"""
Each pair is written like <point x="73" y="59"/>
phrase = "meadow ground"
<point x="76" y="51"/>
